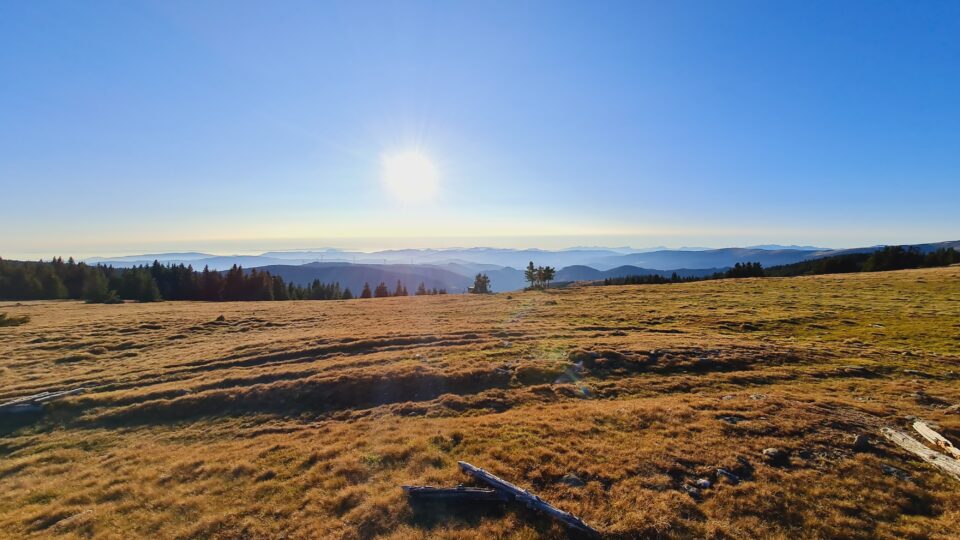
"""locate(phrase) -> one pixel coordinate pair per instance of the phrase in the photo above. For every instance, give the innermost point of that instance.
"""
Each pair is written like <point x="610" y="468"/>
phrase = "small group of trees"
<point x="422" y="290"/>
<point x="481" y="284"/>
<point x="539" y="277"/>
<point x="742" y="270"/>
<point x="382" y="291"/>
<point x="316" y="290"/>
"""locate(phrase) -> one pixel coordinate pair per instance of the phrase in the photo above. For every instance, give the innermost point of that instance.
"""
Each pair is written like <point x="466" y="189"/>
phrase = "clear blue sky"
<point x="236" y="126"/>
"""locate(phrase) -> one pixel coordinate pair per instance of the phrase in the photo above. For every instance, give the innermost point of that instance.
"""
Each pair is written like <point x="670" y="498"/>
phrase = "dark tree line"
<point x="838" y="264"/>
<point x="382" y="291"/>
<point x="649" y="279"/>
<point x="888" y="258"/>
<point x="422" y="290"/>
<point x="57" y="279"/>
<point x="741" y="270"/>
<point x="882" y="260"/>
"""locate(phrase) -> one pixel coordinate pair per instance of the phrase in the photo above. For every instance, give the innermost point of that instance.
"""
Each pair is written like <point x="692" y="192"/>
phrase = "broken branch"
<point x="938" y="440"/>
<point x="528" y="499"/>
<point x="938" y="460"/>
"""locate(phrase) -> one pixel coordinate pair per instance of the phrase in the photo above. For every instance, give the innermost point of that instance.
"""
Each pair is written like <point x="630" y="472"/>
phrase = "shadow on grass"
<point x="11" y="423"/>
<point x="431" y="514"/>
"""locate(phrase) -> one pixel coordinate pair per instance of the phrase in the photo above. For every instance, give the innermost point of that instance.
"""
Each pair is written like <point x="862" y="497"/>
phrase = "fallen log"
<point x="457" y="494"/>
<point x="58" y="395"/>
<point x="945" y="463"/>
<point x="34" y="403"/>
<point x="528" y="499"/>
<point x="23" y="399"/>
<point x="938" y="440"/>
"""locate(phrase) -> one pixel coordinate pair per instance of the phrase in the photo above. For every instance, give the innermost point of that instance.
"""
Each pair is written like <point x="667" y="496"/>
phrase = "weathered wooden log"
<point x="58" y="395"/>
<point x="528" y="499"/>
<point x="34" y="403"/>
<point x="937" y="439"/>
<point x="945" y="463"/>
<point x="23" y="399"/>
<point x="456" y="494"/>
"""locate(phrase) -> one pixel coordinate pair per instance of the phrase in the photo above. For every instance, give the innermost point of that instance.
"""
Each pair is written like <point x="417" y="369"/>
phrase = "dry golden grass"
<point x="302" y="419"/>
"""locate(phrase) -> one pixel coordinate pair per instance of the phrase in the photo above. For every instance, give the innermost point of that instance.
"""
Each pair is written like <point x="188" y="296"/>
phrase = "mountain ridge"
<point x="454" y="268"/>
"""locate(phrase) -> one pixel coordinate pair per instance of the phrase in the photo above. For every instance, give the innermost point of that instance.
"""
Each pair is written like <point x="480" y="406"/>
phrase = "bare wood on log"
<point x="34" y="402"/>
<point x="936" y="438"/>
<point x="58" y="395"/>
<point x="528" y="499"/>
<point x="938" y="460"/>
<point x="459" y="493"/>
<point x="23" y="399"/>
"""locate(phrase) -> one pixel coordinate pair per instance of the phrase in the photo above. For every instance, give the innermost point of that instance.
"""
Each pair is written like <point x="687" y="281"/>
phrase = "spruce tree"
<point x="530" y="274"/>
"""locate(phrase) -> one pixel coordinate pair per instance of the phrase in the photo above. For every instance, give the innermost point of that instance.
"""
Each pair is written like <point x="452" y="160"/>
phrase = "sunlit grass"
<point x="304" y="418"/>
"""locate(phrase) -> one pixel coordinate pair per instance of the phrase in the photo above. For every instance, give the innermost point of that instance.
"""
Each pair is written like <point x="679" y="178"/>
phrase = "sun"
<point x="410" y="175"/>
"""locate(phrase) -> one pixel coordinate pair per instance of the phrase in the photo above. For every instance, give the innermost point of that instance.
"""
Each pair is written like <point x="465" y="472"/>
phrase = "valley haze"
<point x="453" y="269"/>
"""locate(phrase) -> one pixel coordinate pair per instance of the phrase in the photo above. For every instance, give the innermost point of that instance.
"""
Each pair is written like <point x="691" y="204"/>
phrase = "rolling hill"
<point x="586" y="273"/>
<point x="715" y="258"/>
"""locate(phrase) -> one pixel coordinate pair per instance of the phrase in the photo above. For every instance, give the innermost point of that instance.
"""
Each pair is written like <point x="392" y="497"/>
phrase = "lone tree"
<point x="481" y="284"/>
<point x="422" y="289"/>
<point x="366" y="291"/>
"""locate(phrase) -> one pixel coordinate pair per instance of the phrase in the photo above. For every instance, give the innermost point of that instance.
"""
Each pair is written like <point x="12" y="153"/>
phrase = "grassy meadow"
<point x="303" y="419"/>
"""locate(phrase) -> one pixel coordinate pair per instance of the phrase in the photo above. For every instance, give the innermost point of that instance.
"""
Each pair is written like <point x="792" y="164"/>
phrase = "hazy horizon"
<point x="374" y="247"/>
<point x="80" y="250"/>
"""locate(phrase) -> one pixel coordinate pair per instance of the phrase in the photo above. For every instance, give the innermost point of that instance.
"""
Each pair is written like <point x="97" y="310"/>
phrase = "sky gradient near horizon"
<point x="131" y="127"/>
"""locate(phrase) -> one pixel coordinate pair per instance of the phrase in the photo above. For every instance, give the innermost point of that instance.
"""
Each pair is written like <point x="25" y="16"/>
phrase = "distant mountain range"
<point x="478" y="258"/>
<point x="453" y="269"/>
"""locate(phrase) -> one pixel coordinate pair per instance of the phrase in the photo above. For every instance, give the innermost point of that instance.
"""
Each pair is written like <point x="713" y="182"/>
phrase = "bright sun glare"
<point x="410" y="175"/>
